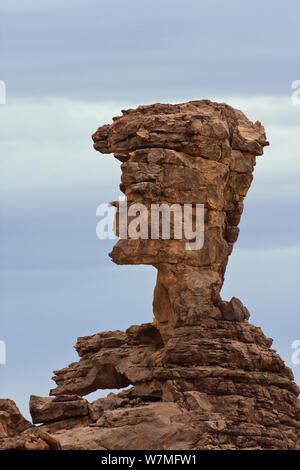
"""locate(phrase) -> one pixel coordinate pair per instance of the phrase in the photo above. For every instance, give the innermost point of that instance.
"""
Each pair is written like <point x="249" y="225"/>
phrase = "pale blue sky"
<point x="68" y="69"/>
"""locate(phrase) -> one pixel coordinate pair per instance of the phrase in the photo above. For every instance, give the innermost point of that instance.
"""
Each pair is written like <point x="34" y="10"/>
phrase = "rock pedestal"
<point x="201" y="376"/>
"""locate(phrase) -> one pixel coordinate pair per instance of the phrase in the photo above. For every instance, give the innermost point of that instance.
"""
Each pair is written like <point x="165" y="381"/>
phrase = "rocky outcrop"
<point x="200" y="375"/>
<point x="193" y="153"/>
<point x="11" y="420"/>
<point x="16" y="433"/>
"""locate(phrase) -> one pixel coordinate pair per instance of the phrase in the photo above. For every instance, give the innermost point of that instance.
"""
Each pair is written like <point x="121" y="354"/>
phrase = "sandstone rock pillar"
<point x="201" y="376"/>
<point x="193" y="153"/>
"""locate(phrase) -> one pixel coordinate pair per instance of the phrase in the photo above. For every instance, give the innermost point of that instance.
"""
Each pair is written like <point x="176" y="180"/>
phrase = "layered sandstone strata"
<point x="201" y="376"/>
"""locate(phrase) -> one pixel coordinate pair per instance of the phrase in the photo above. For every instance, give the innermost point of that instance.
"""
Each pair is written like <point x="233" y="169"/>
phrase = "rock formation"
<point x="201" y="376"/>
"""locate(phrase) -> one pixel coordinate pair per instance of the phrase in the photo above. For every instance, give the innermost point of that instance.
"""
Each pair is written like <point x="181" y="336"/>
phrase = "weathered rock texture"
<point x="202" y="377"/>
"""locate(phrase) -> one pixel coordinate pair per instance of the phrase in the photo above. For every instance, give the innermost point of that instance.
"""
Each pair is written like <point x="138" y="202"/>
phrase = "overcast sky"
<point x="69" y="67"/>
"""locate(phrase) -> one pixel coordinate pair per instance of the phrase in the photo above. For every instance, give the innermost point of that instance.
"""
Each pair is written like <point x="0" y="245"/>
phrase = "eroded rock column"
<point x="193" y="153"/>
<point x="201" y="376"/>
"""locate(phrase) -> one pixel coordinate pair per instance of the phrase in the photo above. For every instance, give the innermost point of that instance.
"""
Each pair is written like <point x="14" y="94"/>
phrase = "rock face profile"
<point x="200" y="376"/>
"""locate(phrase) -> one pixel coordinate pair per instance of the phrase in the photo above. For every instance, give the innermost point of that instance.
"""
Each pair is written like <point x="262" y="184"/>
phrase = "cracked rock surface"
<point x="200" y="376"/>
